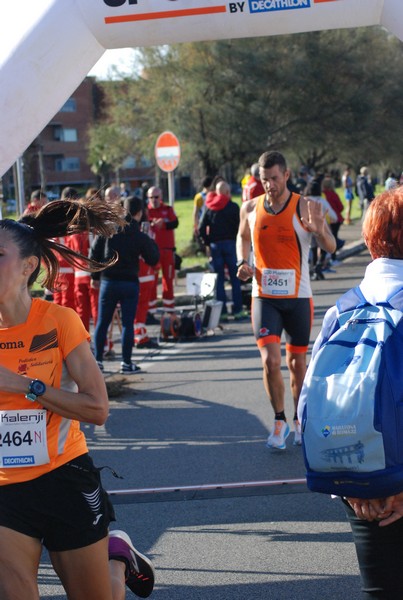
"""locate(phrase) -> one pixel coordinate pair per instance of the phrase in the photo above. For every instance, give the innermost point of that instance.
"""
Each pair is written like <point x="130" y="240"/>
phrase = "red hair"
<point x="383" y="225"/>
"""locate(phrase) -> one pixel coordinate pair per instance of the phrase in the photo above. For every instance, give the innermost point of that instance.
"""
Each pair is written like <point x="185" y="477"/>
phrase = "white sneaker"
<point x="297" y="433"/>
<point x="279" y="435"/>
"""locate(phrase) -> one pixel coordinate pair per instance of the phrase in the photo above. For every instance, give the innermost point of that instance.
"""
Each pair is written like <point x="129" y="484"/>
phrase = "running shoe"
<point x="297" y="433"/>
<point x="279" y="435"/>
<point x="139" y="569"/>
<point x="100" y="366"/>
<point x="130" y="368"/>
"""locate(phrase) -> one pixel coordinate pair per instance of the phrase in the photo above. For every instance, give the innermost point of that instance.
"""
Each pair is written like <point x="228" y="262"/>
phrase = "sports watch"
<point x="240" y="262"/>
<point x="35" y="389"/>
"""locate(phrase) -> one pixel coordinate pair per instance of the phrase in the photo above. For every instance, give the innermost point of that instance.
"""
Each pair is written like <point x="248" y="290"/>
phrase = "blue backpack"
<point x="352" y="401"/>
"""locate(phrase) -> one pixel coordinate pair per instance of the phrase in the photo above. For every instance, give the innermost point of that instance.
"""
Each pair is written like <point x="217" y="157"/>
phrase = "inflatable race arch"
<point x="48" y="46"/>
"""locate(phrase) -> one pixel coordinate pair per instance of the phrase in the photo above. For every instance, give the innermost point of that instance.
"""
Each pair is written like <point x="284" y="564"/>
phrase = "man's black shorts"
<point x="272" y="316"/>
<point x="65" y="509"/>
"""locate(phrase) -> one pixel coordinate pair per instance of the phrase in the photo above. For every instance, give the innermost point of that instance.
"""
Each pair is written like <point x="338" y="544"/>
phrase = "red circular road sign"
<point x="167" y="151"/>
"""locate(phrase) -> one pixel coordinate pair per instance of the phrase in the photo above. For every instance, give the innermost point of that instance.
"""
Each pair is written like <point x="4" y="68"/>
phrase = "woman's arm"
<point x="89" y="404"/>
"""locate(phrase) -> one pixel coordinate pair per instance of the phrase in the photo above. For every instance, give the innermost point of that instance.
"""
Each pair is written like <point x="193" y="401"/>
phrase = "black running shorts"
<point x="272" y="316"/>
<point x="65" y="509"/>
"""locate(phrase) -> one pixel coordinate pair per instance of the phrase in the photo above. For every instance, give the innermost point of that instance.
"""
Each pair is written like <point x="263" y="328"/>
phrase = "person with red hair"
<point x="382" y="227"/>
<point x="377" y="523"/>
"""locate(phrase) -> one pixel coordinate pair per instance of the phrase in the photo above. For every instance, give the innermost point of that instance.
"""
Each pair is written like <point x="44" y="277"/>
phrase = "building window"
<point x="69" y="106"/>
<point x="67" y="164"/>
<point x="65" y="134"/>
<point x="129" y="163"/>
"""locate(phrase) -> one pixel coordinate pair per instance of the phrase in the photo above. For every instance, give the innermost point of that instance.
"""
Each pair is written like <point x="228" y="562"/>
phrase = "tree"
<point x="321" y="98"/>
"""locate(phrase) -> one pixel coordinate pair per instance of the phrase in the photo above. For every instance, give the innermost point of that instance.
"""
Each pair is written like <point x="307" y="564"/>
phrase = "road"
<point x="198" y="415"/>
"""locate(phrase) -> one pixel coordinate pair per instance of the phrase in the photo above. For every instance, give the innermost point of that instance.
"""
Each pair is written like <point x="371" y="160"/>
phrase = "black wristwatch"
<point x="35" y="389"/>
<point x="240" y="262"/>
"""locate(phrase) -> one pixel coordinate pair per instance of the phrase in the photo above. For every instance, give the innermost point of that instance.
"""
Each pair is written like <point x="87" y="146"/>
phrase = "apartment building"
<point x="58" y="156"/>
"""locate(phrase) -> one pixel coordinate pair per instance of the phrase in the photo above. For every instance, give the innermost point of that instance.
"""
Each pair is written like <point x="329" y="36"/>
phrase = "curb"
<point x="351" y="249"/>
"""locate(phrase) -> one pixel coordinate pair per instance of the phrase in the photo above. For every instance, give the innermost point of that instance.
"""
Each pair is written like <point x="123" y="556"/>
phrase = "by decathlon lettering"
<point x="273" y="5"/>
<point x="352" y="400"/>
<point x="236" y="7"/>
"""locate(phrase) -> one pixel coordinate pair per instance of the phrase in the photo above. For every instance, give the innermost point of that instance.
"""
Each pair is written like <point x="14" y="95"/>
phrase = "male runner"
<point x="279" y="226"/>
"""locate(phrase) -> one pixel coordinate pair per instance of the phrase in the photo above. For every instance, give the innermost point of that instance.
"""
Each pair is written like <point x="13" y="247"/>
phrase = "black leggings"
<point x="380" y="557"/>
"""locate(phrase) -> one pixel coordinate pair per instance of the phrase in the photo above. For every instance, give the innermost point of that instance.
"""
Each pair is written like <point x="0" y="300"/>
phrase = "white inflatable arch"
<point x="48" y="46"/>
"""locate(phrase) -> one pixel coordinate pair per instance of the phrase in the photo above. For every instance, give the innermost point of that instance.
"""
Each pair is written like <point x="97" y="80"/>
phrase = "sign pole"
<point x="20" y="186"/>
<point x="171" y="188"/>
<point x="167" y="154"/>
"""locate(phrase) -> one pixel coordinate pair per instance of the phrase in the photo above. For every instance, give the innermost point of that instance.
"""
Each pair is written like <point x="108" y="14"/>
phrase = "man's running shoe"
<point x="139" y="571"/>
<point x="279" y="435"/>
<point x="130" y="368"/>
<point x="297" y="433"/>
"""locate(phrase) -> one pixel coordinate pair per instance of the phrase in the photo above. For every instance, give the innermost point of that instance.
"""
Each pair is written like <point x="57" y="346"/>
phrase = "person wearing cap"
<point x="253" y="186"/>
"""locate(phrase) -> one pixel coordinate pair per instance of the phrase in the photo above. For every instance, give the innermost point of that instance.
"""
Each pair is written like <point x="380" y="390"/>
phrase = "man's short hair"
<point x="254" y="170"/>
<point x="270" y="159"/>
<point x="38" y="195"/>
<point x="69" y="193"/>
<point x="207" y="181"/>
<point x="133" y="205"/>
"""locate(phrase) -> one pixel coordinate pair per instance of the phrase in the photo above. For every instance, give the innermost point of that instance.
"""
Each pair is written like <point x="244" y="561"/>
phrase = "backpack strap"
<point x="352" y="299"/>
<point x="396" y="300"/>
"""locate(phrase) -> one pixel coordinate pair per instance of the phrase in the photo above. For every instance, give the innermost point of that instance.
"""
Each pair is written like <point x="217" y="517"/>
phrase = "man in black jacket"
<point x="119" y="283"/>
<point x="218" y="228"/>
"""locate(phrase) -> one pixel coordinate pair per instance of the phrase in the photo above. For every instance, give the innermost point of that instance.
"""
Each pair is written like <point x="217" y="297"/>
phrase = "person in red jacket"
<point x="63" y="293"/>
<point x="86" y="296"/>
<point x="163" y="221"/>
<point x="253" y="187"/>
<point x="37" y="200"/>
<point x="218" y="228"/>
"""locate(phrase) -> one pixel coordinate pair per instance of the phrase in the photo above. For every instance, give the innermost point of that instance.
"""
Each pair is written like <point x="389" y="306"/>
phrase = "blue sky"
<point x="121" y="57"/>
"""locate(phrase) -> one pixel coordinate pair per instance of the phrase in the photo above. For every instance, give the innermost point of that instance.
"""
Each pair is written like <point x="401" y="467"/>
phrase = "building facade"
<point x="58" y="156"/>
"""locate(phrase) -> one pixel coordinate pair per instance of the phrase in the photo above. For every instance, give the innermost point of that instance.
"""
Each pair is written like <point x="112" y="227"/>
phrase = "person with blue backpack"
<point x="351" y="404"/>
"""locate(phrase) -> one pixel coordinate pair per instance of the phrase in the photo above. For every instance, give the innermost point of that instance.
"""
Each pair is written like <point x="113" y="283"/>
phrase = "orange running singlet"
<point x="281" y="250"/>
<point x="31" y="437"/>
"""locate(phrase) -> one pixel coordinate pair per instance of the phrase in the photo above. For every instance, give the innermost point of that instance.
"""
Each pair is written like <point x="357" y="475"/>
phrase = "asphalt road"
<point x="198" y="415"/>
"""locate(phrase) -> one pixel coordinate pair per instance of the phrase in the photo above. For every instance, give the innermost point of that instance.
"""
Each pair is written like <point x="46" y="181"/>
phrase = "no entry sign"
<point x="167" y="151"/>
